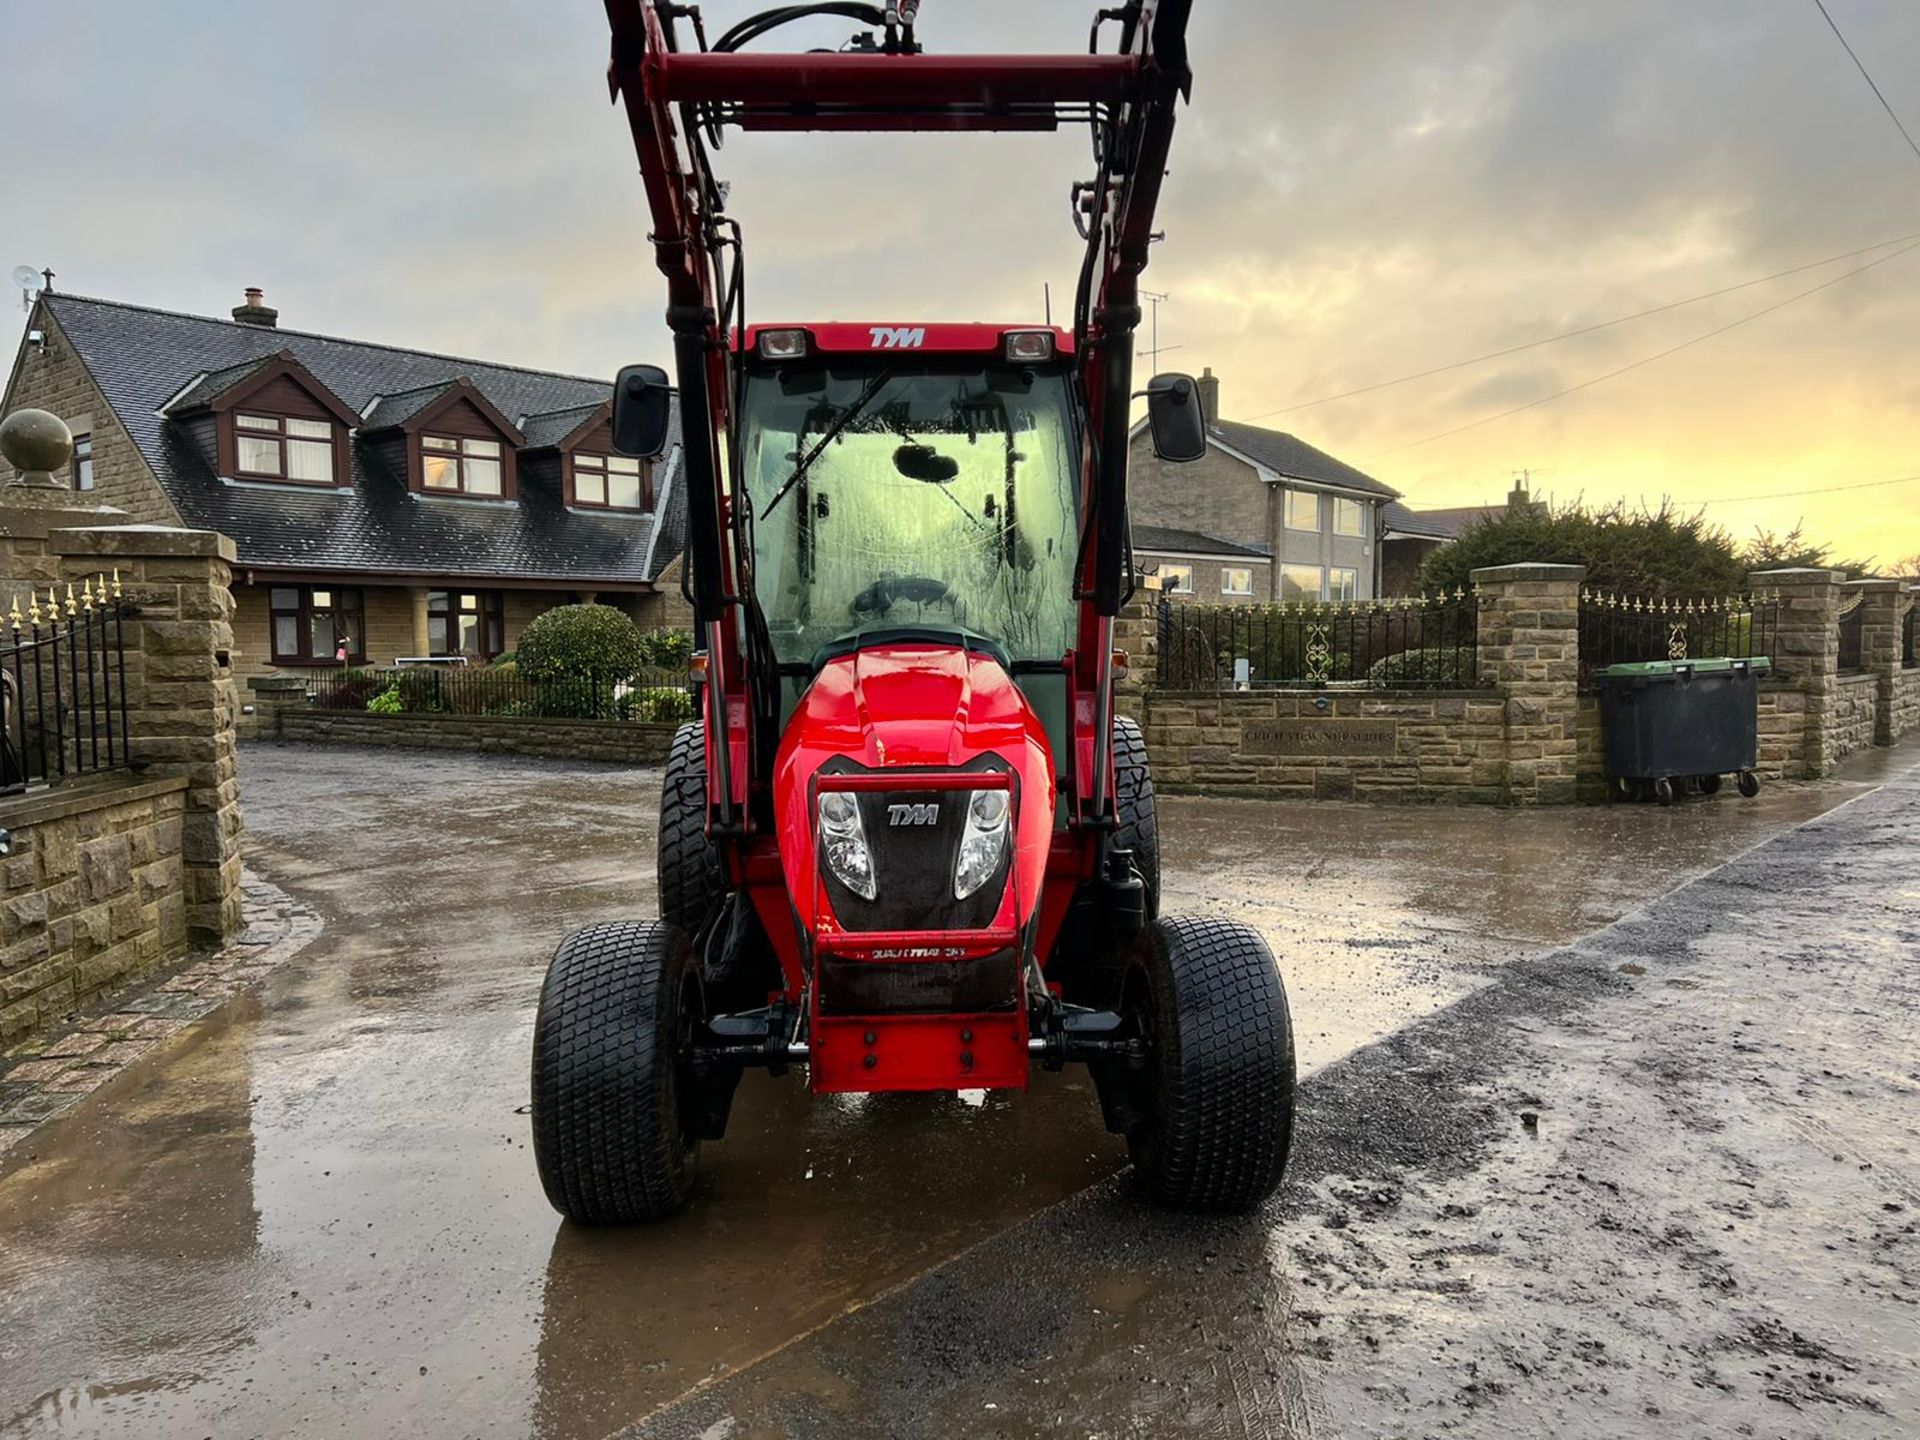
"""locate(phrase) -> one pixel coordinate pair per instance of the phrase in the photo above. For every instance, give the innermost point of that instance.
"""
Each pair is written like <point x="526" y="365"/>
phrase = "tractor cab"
<point x="909" y="844"/>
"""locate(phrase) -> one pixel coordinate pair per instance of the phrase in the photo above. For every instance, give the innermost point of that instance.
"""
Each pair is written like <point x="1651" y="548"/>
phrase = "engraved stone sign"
<point x="1318" y="737"/>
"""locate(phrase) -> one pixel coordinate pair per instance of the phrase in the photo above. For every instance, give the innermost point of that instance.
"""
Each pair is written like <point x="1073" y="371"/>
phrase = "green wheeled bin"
<point x="1670" y="722"/>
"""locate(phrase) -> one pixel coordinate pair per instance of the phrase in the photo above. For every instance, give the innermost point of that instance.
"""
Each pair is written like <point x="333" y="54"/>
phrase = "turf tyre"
<point x="1138" y="823"/>
<point x="609" y="1081"/>
<point x="1219" y="1118"/>
<point x="692" y="885"/>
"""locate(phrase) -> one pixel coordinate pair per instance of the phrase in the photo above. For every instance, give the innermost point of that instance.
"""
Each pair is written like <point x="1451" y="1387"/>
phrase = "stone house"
<point x="1315" y="523"/>
<point x="385" y="503"/>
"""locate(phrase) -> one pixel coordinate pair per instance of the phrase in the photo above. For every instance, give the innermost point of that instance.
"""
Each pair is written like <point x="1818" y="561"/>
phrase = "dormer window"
<point x="275" y="447"/>
<point x="611" y="482"/>
<point x="461" y="466"/>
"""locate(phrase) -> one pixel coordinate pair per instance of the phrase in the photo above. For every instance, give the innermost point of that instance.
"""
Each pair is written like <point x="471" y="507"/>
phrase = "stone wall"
<point x="616" y="741"/>
<point x="1903" y="710"/>
<point x="1332" y="745"/>
<point x="1851" y="715"/>
<point x="56" y="380"/>
<point x="91" y="892"/>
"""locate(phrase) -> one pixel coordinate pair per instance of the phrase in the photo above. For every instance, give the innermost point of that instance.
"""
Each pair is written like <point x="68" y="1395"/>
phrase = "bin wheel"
<point x="1709" y="784"/>
<point x="1663" y="790"/>
<point x="1622" y="788"/>
<point x="1749" y="784"/>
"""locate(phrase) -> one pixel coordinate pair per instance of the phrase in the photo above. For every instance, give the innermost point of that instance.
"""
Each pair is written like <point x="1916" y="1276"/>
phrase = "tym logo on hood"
<point x="913" y="814"/>
<point x="898" y="337"/>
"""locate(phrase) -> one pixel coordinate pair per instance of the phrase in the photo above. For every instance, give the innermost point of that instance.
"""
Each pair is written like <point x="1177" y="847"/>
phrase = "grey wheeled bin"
<point x="1668" y="722"/>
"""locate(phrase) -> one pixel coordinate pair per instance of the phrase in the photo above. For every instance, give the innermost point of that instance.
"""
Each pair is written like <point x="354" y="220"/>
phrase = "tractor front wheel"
<point x="1208" y="998"/>
<point x="692" y="884"/>
<point x="614" y="1093"/>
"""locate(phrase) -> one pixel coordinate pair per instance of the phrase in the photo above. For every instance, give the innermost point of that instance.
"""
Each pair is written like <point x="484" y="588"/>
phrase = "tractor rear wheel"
<point x="1138" y="827"/>
<point x="613" y="1085"/>
<point x="1208" y="997"/>
<point x="692" y="884"/>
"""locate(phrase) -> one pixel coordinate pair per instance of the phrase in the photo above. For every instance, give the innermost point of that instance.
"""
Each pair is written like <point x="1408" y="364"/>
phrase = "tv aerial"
<point x="30" y="282"/>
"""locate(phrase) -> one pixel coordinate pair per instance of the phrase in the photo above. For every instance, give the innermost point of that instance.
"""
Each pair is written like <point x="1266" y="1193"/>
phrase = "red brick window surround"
<point x="612" y="482"/>
<point x="455" y="465"/>
<point x="284" y="448"/>
<point x="310" y="624"/>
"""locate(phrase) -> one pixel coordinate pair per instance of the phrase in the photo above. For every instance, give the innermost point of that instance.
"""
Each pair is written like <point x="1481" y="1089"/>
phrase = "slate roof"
<point x="1191" y="542"/>
<point x="1291" y="456"/>
<point x="141" y="357"/>
<point x="555" y="425"/>
<point x="386" y="411"/>
<point x="214" y="384"/>
<point x="1445" y="524"/>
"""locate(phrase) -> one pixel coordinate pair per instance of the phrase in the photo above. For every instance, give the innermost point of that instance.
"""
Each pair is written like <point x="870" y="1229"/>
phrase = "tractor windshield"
<point x="910" y="496"/>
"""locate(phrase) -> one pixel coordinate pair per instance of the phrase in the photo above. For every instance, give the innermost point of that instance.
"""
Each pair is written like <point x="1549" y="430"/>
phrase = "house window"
<point x="460" y="467"/>
<point x="1349" y="518"/>
<point x="614" y="481"/>
<point x="311" y="625"/>
<point x="274" y="447"/>
<point x="1343" y="583"/>
<point x="1303" y="510"/>
<point x="83" y="462"/>
<point x="1301" y="582"/>
<point x="1176" y="579"/>
<point x="1236" y="580"/>
<point x="466" y="622"/>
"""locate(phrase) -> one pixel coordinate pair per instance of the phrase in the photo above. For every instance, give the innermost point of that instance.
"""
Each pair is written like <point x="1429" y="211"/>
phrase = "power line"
<point x="1904" y="133"/>
<point x="1585" y="329"/>
<point x="1795" y="494"/>
<point x="1647" y="359"/>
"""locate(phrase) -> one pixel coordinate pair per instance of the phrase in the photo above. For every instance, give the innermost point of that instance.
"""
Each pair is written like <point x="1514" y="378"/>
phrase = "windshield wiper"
<point x="827" y="437"/>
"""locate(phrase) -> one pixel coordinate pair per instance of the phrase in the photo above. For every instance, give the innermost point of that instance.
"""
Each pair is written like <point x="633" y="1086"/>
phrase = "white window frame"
<point x="1227" y="571"/>
<point x="1286" y="510"/>
<point x="1353" y="574"/>
<point x="1358" y="509"/>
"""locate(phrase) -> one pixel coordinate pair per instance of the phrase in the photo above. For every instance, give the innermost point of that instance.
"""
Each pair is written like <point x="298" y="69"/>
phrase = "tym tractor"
<point x="909" y="845"/>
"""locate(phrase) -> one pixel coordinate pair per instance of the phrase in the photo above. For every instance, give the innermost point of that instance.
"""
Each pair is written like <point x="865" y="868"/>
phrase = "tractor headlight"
<point x="844" y="840"/>
<point x="984" y="841"/>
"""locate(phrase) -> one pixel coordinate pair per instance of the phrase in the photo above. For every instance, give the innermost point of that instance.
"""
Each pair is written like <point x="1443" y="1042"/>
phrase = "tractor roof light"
<point x="783" y="344"/>
<point x="1029" y="347"/>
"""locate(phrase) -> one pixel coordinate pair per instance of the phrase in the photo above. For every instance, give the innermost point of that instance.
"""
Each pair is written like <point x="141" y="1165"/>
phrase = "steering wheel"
<point x="882" y="595"/>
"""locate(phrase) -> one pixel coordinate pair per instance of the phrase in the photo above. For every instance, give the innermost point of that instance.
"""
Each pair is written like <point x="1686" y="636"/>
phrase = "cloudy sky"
<point x="1361" y="189"/>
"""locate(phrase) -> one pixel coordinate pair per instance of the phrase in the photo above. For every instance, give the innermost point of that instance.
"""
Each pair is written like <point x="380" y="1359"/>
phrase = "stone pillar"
<point x="1136" y="630"/>
<point x="422" y="628"/>
<point x="180" y="691"/>
<point x="1530" y="649"/>
<point x="1883" y="604"/>
<point x="1806" y="649"/>
<point x="271" y="695"/>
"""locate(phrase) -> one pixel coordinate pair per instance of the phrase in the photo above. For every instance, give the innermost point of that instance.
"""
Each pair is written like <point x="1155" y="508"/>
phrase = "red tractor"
<point x="909" y="845"/>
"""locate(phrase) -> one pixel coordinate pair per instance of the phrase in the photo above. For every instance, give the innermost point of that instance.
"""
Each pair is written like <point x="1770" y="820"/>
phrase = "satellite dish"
<point x="26" y="277"/>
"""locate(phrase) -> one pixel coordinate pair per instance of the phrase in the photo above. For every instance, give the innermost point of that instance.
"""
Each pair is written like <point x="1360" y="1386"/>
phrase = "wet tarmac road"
<point x="317" y="1214"/>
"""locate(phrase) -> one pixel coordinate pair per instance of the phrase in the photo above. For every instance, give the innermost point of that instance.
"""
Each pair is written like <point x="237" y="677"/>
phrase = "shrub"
<point x="351" y="691"/>
<point x="659" y="703"/>
<point x="579" y="642"/>
<point x="388" y="701"/>
<point x="1433" y="666"/>
<point x="666" y="649"/>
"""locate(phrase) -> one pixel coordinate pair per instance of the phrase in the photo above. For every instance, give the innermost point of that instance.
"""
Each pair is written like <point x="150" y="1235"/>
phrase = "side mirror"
<point x="1177" y="418"/>
<point x="642" y="410"/>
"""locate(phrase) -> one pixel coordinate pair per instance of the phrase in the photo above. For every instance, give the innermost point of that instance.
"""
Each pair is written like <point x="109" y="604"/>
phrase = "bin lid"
<point x="1706" y="665"/>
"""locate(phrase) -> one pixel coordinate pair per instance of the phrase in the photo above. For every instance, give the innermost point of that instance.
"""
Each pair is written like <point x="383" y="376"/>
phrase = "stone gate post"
<point x="1882" y="606"/>
<point x="1530" y="649"/>
<point x="1806" y="650"/>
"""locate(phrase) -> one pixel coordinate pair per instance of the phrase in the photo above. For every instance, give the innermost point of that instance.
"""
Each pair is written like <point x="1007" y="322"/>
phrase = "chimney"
<point x="1519" y="501"/>
<point x="256" y="311"/>
<point x="1210" y="395"/>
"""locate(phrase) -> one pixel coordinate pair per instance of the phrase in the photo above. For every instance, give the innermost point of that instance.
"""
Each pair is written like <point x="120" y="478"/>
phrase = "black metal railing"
<point x="1852" y="622"/>
<point x="1410" y="643"/>
<point x="63" y="686"/>
<point x="1910" y="637"/>
<point x="437" y="690"/>
<point x="1620" y="629"/>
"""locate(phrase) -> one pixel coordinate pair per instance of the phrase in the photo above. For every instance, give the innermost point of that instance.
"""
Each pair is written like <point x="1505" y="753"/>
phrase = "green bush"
<point x="659" y="703"/>
<point x="666" y="649"/>
<point x="351" y="691"/>
<point x="388" y="701"/>
<point x="580" y="642"/>
<point x="1436" y="665"/>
